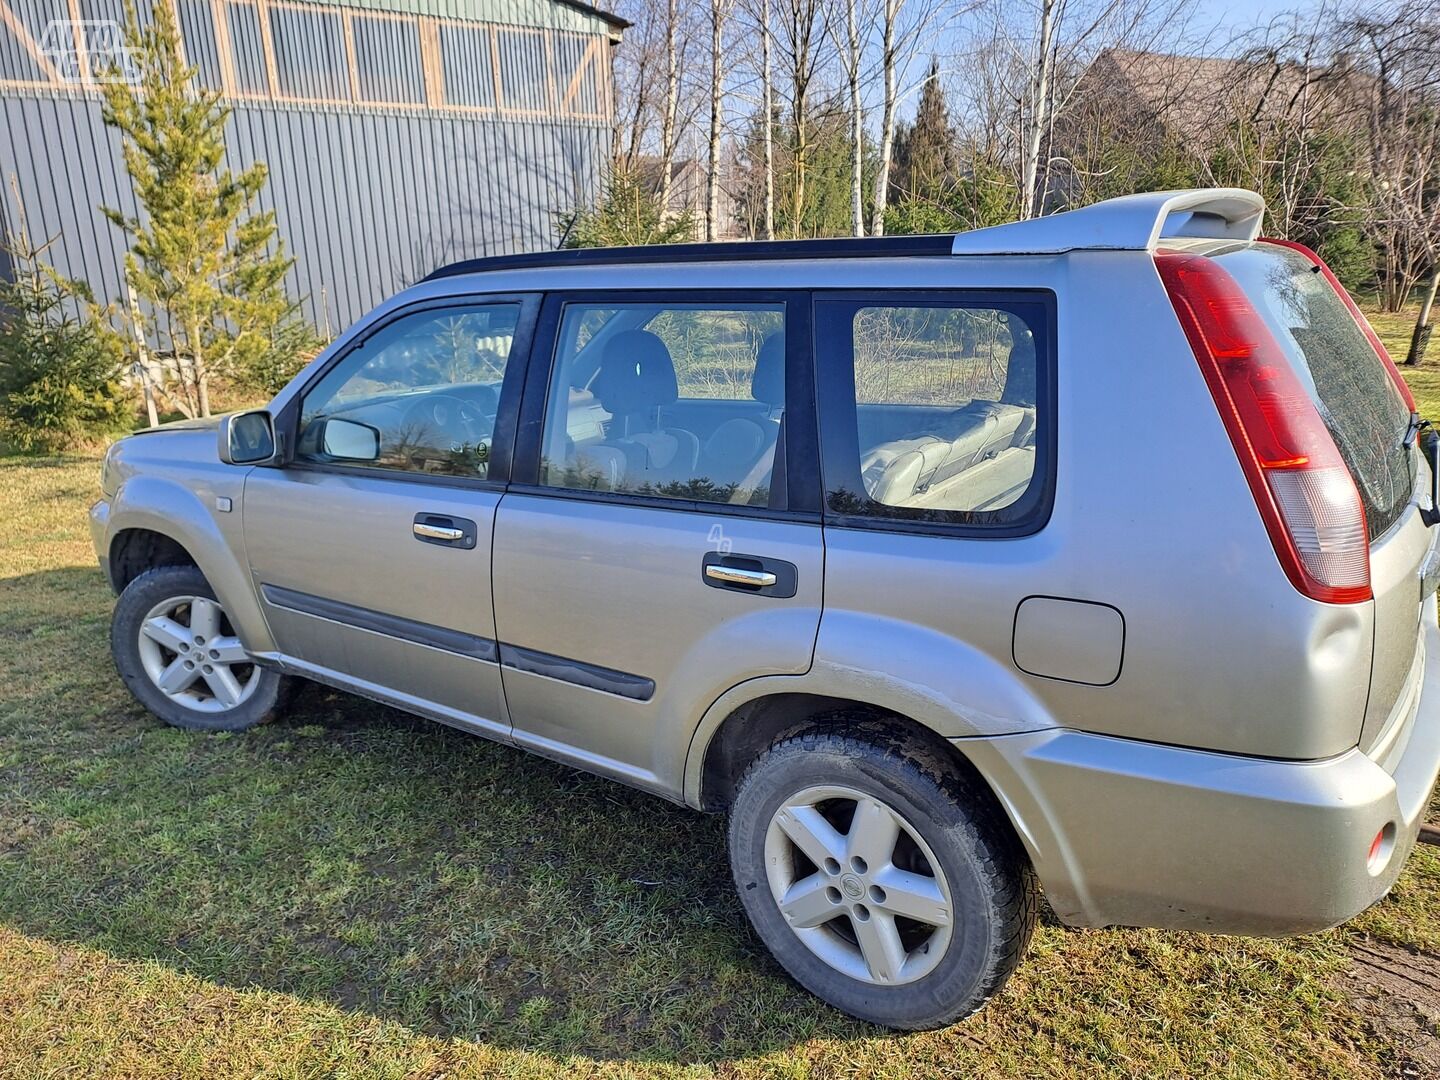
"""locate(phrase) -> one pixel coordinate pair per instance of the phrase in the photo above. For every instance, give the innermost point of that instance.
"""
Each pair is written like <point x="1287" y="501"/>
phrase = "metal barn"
<point x="399" y="134"/>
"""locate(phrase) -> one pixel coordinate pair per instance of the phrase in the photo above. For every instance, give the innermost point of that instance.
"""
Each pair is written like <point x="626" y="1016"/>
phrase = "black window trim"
<point x="835" y="396"/>
<point x="502" y="440"/>
<point x="797" y="459"/>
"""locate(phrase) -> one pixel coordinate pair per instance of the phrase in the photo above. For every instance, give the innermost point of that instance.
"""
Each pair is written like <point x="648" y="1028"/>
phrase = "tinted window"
<point x="429" y="383"/>
<point x="933" y="410"/>
<point x="672" y="400"/>
<point x="1348" y="383"/>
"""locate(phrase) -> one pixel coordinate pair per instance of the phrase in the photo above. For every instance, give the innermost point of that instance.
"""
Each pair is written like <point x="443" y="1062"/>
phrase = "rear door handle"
<point x="444" y="530"/>
<point x="754" y="574"/>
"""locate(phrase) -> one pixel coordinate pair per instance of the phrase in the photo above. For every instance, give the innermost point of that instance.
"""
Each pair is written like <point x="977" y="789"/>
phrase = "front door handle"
<point x="438" y="532"/>
<point x="753" y="574"/>
<point x="735" y="575"/>
<point x="444" y="530"/>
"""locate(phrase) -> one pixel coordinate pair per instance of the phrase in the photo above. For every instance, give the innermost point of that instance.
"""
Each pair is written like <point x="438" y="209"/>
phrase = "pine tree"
<point x="59" y="370"/>
<point x="925" y="157"/>
<point x="629" y="212"/>
<point x="210" y="269"/>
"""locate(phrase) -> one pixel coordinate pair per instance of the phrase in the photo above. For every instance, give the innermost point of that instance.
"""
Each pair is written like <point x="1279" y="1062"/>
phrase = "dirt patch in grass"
<point x="1397" y="991"/>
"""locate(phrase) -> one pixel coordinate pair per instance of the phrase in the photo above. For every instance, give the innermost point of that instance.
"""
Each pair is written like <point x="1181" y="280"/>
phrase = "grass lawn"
<point x="353" y="892"/>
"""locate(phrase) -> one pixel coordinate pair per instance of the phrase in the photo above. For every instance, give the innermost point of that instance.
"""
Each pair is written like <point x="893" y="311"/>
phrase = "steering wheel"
<point x="450" y="416"/>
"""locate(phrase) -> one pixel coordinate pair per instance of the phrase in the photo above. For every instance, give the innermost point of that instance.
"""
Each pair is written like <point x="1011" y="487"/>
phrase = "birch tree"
<point x="719" y="12"/>
<point x="802" y="29"/>
<point x="767" y="80"/>
<point x="908" y="29"/>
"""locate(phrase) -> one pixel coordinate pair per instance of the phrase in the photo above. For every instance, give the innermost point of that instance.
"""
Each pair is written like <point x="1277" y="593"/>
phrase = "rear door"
<point x="660" y="541"/>
<point x="371" y="551"/>
<point x="1363" y="407"/>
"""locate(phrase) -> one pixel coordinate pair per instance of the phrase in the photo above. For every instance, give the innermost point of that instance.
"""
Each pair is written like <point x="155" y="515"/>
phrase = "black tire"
<point x="992" y="887"/>
<point x="140" y="597"/>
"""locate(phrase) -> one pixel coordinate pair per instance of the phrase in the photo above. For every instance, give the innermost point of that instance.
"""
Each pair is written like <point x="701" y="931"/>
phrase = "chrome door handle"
<point x="734" y="575"/>
<point x="438" y="532"/>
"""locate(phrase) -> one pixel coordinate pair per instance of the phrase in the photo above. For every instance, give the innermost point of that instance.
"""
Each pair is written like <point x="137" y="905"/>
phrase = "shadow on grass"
<point x="353" y="854"/>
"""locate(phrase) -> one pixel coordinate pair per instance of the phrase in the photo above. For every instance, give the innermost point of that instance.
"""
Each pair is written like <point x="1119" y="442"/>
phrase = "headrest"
<point x="636" y="373"/>
<point x="768" y="382"/>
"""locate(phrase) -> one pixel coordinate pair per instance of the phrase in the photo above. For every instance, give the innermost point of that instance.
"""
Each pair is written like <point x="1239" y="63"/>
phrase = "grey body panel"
<point x="349" y="540"/>
<point x="1145" y="835"/>
<point x="1393" y="577"/>
<point x="619" y="587"/>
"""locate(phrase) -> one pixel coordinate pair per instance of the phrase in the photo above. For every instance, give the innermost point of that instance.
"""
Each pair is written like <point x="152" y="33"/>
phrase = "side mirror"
<point x="348" y="440"/>
<point x="247" y="438"/>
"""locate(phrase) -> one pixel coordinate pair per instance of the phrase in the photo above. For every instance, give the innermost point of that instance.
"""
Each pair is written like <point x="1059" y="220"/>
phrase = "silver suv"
<point x="1091" y="554"/>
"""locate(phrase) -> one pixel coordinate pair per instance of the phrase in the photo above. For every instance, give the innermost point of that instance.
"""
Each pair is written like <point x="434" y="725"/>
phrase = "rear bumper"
<point x="1138" y="834"/>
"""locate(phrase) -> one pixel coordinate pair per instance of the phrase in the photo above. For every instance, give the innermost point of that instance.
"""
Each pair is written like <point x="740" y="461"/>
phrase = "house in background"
<point x="688" y="194"/>
<point x="399" y="134"/>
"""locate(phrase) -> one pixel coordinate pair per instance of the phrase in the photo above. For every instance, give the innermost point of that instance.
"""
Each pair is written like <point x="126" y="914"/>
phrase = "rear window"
<point x="1348" y="383"/>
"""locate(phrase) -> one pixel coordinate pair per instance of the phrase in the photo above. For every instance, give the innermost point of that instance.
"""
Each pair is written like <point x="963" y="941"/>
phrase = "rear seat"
<point x="896" y="471"/>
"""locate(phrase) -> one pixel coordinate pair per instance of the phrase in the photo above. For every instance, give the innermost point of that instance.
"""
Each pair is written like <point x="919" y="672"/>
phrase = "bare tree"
<point x="1037" y="101"/>
<point x="907" y="31"/>
<point x="802" y="28"/>
<point x="672" y="101"/>
<point x="1399" y="44"/>
<point x="1031" y="59"/>
<point x="719" y="12"/>
<point x="768" y="112"/>
<point x="850" y="52"/>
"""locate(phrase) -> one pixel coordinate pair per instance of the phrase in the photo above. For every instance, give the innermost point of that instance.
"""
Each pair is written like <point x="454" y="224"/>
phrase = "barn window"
<point x="248" y="49"/>
<point x="524" y="70"/>
<point x="388" y="64"/>
<point x="309" y="45"/>
<point x="467" y="65"/>
<point x="197" y="37"/>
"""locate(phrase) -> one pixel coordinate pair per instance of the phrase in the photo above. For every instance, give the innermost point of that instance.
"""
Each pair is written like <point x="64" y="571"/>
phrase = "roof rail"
<point x="1129" y="223"/>
<point x="848" y="247"/>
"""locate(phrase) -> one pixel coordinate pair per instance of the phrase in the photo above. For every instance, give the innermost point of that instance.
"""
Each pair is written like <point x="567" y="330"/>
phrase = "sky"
<point x="1241" y="14"/>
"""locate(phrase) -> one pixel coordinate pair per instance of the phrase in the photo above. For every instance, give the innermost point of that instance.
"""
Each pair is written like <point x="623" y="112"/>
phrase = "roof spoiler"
<point x="1129" y="223"/>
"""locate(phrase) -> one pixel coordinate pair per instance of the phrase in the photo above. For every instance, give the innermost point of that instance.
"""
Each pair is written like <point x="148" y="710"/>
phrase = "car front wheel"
<point x="179" y="654"/>
<point x="881" y="879"/>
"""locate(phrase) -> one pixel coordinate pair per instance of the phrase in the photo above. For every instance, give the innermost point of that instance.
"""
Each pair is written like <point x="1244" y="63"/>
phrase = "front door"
<point x="654" y="549"/>
<point x="371" y="551"/>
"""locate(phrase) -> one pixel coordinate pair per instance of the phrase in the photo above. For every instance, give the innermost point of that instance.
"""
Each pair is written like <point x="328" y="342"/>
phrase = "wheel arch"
<point x="154" y="521"/>
<point x="135" y="550"/>
<point x="749" y="728"/>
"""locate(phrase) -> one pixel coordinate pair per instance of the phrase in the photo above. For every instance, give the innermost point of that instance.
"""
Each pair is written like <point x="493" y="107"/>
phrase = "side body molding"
<point x="951" y="687"/>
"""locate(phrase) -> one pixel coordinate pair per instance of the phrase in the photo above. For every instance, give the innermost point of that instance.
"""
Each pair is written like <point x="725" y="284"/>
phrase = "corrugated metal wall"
<point x="395" y="143"/>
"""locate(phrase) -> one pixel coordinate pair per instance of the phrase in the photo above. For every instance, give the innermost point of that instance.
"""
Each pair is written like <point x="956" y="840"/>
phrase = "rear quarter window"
<point x="1348" y="383"/>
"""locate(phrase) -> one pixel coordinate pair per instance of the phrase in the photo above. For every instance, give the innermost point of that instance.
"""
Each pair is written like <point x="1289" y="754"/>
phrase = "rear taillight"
<point x="1301" y="485"/>
<point x="1359" y="316"/>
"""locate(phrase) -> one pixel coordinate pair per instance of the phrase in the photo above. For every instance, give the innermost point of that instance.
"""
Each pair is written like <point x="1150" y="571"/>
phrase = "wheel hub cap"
<point x="191" y="653"/>
<point x="858" y="885"/>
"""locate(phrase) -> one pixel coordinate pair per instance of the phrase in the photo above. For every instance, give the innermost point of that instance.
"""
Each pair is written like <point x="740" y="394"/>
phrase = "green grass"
<point x="353" y="892"/>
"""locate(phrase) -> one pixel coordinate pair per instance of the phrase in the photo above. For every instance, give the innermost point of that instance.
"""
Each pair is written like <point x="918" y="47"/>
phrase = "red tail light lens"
<point x="1301" y="485"/>
<point x="1359" y="316"/>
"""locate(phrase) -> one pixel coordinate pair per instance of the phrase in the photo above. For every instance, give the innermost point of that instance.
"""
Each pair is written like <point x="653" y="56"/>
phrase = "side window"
<point x="420" y="395"/>
<point x="939" y="412"/>
<point x="680" y="401"/>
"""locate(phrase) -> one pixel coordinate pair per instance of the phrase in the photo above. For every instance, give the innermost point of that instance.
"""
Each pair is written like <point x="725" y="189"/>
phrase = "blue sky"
<point x="1239" y="14"/>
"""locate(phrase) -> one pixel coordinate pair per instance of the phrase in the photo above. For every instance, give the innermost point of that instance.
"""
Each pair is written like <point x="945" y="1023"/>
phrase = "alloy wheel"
<point x="191" y="653"/>
<point x="858" y="885"/>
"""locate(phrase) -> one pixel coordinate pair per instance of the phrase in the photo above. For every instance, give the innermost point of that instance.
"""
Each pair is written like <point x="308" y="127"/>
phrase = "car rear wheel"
<point x="880" y="878"/>
<point x="179" y="654"/>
